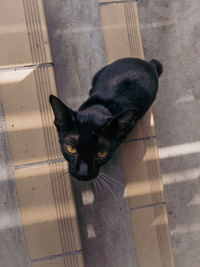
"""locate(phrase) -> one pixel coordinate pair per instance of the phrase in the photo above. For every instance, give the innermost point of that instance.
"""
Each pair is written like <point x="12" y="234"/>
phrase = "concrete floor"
<point x="78" y="53"/>
<point x="170" y="32"/>
<point x="13" y="252"/>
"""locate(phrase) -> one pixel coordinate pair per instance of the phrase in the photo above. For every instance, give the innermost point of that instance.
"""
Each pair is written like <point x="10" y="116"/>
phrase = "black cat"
<point x="121" y="94"/>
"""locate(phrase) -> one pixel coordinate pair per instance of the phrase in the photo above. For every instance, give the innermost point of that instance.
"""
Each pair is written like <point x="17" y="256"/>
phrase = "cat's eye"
<point x="71" y="149"/>
<point x="102" y="153"/>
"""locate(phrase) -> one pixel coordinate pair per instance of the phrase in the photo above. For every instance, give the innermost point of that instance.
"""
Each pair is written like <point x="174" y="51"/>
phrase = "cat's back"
<point x="126" y="81"/>
<point x="132" y="68"/>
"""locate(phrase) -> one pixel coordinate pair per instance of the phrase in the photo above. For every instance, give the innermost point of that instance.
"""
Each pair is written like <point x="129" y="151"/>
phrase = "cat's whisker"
<point x="106" y="185"/>
<point x="104" y="175"/>
<point x="100" y="182"/>
<point x="108" y="181"/>
<point x="109" y="188"/>
<point x="99" y="186"/>
<point x="94" y="185"/>
<point x="113" y="181"/>
<point x="95" y="188"/>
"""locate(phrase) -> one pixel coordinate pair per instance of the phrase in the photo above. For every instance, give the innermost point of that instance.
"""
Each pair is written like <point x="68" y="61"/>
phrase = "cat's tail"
<point x="158" y="66"/>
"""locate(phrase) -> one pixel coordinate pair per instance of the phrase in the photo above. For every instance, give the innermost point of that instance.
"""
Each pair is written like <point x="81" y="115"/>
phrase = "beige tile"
<point x="142" y="173"/>
<point x="68" y="261"/>
<point x="151" y="236"/>
<point x="121" y="27"/>
<point x="74" y="261"/>
<point x="144" y="128"/>
<point x="50" y="263"/>
<point x="114" y="29"/>
<point x="29" y="119"/>
<point x="110" y="1"/>
<point x="48" y="210"/>
<point x="23" y="36"/>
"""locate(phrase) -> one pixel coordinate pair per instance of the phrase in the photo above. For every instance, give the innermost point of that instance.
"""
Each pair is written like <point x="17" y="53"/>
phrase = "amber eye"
<point x="71" y="149"/>
<point x="102" y="153"/>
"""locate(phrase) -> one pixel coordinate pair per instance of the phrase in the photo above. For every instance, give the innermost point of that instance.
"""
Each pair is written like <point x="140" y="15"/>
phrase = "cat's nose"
<point x="83" y="170"/>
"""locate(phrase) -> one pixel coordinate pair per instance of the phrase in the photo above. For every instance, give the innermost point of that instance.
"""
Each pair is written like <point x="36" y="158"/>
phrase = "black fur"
<point x="121" y="93"/>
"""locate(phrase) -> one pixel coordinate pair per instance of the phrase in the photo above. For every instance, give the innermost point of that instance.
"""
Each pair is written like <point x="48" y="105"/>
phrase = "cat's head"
<point x="88" y="138"/>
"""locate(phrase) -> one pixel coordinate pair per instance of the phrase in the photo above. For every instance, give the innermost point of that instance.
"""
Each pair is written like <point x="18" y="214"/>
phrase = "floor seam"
<point x="140" y="139"/>
<point x="27" y="67"/>
<point x="39" y="163"/>
<point x="61" y="255"/>
<point x="148" y="206"/>
<point x="116" y="2"/>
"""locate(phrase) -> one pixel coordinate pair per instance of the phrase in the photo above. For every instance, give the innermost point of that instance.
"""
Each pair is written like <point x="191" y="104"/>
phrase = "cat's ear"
<point x="64" y="116"/>
<point x="119" y="125"/>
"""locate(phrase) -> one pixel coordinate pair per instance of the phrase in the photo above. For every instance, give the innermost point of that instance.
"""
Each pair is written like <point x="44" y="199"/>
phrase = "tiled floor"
<point x="48" y="224"/>
<point x="109" y="223"/>
<point x="171" y="33"/>
<point x="106" y="219"/>
<point x="139" y="159"/>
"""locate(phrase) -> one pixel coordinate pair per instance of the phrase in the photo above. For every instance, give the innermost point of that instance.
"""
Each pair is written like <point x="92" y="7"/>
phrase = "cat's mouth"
<point x="84" y="178"/>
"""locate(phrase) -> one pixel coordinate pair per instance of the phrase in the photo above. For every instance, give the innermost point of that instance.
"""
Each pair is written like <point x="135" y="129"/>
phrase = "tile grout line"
<point x="62" y="255"/>
<point x="27" y="67"/>
<point x="58" y="160"/>
<point x="42" y="77"/>
<point x="37" y="56"/>
<point x="153" y="171"/>
<point x="39" y="163"/>
<point x="59" y="192"/>
<point x="116" y="2"/>
<point x="161" y="233"/>
<point x="42" y="74"/>
<point x="148" y="206"/>
<point x="140" y="139"/>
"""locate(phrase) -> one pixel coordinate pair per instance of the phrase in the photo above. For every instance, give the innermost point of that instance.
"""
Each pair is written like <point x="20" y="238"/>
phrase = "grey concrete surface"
<point x="77" y="46"/>
<point x="78" y="52"/>
<point x="13" y="252"/>
<point x="171" y="33"/>
<point x="104" y="219"/>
